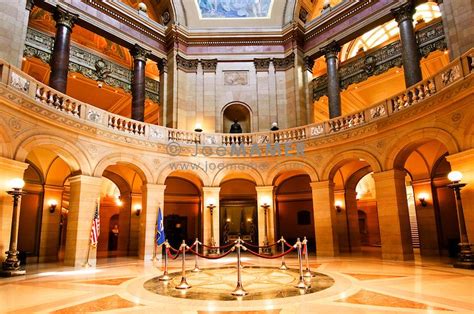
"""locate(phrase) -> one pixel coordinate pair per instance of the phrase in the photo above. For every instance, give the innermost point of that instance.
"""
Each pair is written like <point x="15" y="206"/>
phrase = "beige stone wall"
<point x="272" y="95"/>
<point x="13" y="22"/>
<point x="458" y="25"/>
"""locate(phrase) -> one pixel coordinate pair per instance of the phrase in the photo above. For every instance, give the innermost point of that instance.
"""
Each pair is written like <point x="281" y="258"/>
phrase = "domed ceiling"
<point x="217" y="9"/>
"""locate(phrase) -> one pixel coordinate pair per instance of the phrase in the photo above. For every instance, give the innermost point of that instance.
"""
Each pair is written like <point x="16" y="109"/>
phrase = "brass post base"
<point x="196" y="269"/>
<point x="239" y="291"/>
<point x="164" y="277"/>
<point x="12" y="272"/>
<point x="183" y="285"/>
<point x="283" y="266"/>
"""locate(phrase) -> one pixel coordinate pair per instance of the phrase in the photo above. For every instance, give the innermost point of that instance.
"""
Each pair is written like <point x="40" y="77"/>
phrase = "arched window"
<point x="303" y="217"/>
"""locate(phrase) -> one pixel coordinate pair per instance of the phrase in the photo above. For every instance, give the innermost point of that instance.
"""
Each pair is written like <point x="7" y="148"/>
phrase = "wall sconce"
<point x="338" y="205"/>
<point x="265" y="201"/>
<point x="138" y="210"/>
<point x="52" y="205"/>
<point x="118" y="201"/>
<point x="422" y="197"/>
<point x="198" y="127"/>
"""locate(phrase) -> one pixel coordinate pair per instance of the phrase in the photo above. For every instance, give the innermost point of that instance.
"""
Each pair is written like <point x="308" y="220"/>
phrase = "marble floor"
<point x="361" y="285"/>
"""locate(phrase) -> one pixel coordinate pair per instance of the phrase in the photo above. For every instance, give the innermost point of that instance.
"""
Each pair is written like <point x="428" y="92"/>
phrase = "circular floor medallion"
<point x="218" y="283"/>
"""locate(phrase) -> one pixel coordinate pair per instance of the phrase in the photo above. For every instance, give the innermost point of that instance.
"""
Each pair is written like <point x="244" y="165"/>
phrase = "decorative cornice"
<point x="404" y="12"/>
<point x="187" y="65"/>
<point x="139" y="53"/>
<point x="283" y="64"/>
<point x="65" y="18"/>
<point x="262" y="65"/>
<point x="309" y="64"/>
<point x="209" y="65"/>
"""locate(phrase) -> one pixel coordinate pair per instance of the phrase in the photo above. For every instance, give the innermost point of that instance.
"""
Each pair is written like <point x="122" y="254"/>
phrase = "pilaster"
<point x="211" y="197"/>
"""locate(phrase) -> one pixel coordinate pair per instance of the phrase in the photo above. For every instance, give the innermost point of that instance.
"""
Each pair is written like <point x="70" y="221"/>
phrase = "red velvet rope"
<point x="218" y="247"/>
<point x="259" y="247"/>
<point x="273" y="256"/>
<point x="171" y="255"/>
<point x="288" y="245"/>
<point x="211" y="257"/>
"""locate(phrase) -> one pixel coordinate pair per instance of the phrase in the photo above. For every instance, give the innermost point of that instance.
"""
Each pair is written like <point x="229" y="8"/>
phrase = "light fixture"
<point x="212" y="243"/>
<point x="16" y="184"/>
<point x="228" y="220"/>
<point x="338" y="205"/>
<point x="100" y="84"/>
<point x="138" y="209"/>
<point x="118" y="201"/>
<point x="198" y="127"/>
<point x="465" y="257"/>
<point x="210" y="202"/>
<point x="249" y="219"/>
<point x="265" y="200"/>
<point x="422" y="197"/>
<point x="455" y="176"/>
<point x="52" y="205"/>
<point x="11" y="265"/>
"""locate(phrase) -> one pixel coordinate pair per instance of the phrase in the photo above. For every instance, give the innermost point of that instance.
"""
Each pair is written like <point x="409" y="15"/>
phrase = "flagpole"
<point x="87" y="264"/>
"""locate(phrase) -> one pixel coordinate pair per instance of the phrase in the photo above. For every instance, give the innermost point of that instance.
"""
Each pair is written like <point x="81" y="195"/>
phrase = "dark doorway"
<point x="176" y="229"/>
<point x="238" y="218"/>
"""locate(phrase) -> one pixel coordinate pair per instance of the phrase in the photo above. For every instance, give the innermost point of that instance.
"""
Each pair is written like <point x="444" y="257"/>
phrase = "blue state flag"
<point x="160" y="230"/>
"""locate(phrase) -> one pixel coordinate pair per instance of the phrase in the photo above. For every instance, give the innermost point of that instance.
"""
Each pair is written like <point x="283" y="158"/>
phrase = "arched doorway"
<point x="238" y="211"/>
<point x="237" y="112"/>
<point x="182" y="209"/>
<point x="294" y="209"/>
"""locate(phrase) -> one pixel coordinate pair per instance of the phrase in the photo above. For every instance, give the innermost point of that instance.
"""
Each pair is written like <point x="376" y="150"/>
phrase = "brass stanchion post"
<point x="307" y="273"/>
<point x="283" y="264"/>
<point x="196" y="266"/>
<point x="301" y="284"/>
<point x="184" y="284"/>
<point x="239" y="289"/>
<point x="165" y="276"/>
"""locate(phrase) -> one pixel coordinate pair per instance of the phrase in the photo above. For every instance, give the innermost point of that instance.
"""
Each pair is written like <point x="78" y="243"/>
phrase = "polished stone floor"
<point x="361" y="285"/>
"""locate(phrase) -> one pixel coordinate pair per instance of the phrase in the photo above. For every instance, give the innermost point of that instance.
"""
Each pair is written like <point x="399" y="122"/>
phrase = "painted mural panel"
<point x="234" y="8"/>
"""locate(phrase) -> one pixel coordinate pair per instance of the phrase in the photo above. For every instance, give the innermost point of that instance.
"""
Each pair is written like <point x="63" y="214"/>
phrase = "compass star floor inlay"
<point x="218" y="283"/>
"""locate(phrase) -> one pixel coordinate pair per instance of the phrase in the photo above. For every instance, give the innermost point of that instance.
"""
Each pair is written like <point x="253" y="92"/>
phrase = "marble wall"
<point x="13" y="23"/>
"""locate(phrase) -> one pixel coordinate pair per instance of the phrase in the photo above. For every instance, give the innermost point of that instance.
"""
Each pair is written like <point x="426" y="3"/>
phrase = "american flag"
<point x="95" y="231"/>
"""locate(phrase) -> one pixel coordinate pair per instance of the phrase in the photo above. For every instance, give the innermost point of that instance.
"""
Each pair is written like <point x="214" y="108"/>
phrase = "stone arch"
<point x="298" y="166"/>
<point x="76" y="159"/>
<point x="241" y="108"/>
<point x="193" y="170"/>
<point x="230" y="172"/>
<point x="340" y="158"/>
<point x="5" y="140"/>
<point x="129" y="160"/>
<point x="405" y="143"/>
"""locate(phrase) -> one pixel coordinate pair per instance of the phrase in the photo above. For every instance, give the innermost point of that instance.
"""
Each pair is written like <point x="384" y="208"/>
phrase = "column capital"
<point x="283" y="64"/>
<point x="163" y="65"/>
<point x="211" y="189"/>
<point x="262" y="65"/>
<point x="264" y="188"/>
<point x="30" y="4"/>
<point x="65" y="18"/>
<point x="309" y="64"/>
<point x="404" y="12"/>
<point x="154" y="188"/>
<point x="139" y="53"/>
<point x="319" y="185"/>
<point x="209" y="65"/>
<point x="93" y="181"/>
<point x="393" y="174"/>
<point x="331" y="50"/>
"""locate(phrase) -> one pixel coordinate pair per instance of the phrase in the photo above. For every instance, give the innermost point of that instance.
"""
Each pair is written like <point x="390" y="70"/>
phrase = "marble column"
<point x="462" y="162"/>
<point x="331" y="52"/>
<point x="394" y="221"/>
<point x="9" y="169"/>
<point x="325" y="219"/>
<point x="139" y="55"/>
<point x="211" y="196"/>
<point x="426" y="218"/>
<point x="62" y="43"/>
<point x="265" y="195"/>
<point x="49" y="237"/>
<point x="153" y="197"/>
<point x="163" y="68"/>
<point x="263" y="95"/>
<point x="410" y="53"/>
<point x="85" y="193"/>
<point x="352" y="217"/>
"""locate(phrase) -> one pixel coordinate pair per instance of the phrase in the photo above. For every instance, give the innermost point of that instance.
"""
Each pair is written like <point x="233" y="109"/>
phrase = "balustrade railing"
<point x="42" y="94"/>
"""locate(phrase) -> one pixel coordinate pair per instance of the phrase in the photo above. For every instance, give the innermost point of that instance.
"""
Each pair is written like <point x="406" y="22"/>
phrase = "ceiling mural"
<point x="220" y="9"/>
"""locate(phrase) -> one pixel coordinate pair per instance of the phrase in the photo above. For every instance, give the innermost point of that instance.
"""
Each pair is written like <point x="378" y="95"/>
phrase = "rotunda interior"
<point x="317" y="155"/>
